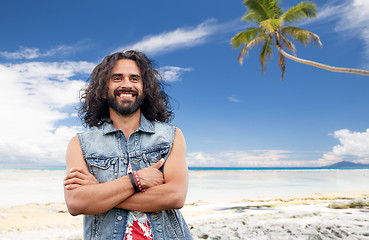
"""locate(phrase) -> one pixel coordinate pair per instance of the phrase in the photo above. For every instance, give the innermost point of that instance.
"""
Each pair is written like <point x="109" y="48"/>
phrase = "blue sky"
<point x="231" y="115"/>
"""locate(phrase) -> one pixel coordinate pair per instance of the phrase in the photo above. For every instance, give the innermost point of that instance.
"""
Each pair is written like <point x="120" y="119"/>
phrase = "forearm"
<point x="98" y="198"/>
<point x="158" y="198"/>
<point x="171" y="194"/>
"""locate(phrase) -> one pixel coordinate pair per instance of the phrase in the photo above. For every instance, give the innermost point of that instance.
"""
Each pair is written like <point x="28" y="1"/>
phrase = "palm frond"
<point x="302" y="36"/>
<point x="285" y="43"/>
<point x="260" y="10"/>
<point x="282" y="64"/>
<point x="271" y="25"/>
<point x="297" y="13"/>
<point x="252" y="17"/>
<point x="258" y="40"/>
<point x="265" y="54"/>
<point x="244" y="51"/>
<point x="244" y="37"/>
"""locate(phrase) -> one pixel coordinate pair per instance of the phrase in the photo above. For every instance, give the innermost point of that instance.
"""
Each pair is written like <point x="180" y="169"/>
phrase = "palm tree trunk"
<point x="323" y="66"/>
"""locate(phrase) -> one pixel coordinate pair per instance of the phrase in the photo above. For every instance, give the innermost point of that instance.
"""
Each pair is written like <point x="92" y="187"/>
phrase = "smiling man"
<point x="125" y="101"/>
<point x="127" y="173"/>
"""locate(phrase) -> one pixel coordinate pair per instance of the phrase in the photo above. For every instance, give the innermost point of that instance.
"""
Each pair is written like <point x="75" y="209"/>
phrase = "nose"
<point x="126" y="83"/>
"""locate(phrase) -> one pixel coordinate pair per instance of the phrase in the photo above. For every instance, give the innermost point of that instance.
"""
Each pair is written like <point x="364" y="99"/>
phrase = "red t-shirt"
<point x="138" y="226"/>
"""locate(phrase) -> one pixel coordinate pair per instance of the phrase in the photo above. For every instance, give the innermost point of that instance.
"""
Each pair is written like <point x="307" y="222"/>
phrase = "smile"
<point x="126" y="95"/>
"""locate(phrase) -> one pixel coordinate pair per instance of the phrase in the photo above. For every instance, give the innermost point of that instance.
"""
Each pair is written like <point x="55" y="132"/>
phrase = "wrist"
<point x="132" y="178"/>
<point x="138" y="182"/>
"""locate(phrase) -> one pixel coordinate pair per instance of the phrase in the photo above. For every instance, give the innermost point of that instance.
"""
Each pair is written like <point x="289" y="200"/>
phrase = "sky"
<point x="230" y="114"/>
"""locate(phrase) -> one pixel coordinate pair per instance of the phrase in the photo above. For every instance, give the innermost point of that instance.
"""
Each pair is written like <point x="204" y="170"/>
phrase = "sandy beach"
<point x="318" y="216"/>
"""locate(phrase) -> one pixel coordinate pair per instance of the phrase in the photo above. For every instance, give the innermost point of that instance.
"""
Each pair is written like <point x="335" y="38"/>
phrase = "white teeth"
<point x="125" y="95"/>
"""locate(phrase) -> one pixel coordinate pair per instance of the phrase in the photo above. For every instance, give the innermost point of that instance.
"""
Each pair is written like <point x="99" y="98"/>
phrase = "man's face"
<point x="125" y="87"/>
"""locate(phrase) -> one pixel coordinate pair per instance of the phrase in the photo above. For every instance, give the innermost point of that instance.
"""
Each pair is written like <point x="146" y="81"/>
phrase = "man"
<point x="127" y="173"/>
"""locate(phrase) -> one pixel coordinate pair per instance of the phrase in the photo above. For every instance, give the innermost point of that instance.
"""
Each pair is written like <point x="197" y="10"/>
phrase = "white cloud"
<point x="33" y="53"/>
<point x="328" y="12"/>
<point x="354" y="21"/>
<point x="252" y="158"/>
<point x="182" y="37"/>
<point x="233" y="99"/>
<point x="32" y="97"/>
<point x="179" y="38"/>
<point x="354" y="15"/>
<point x="173" y="74"/>
<point x="352" y="18"/>
<point x="332" y="11"/>
<point x="23" y="53"/>
<point x="353" y="146"/>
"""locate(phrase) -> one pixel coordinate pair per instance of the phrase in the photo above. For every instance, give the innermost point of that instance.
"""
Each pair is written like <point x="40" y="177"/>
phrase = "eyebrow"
<point x="136" y="75"/>
<point x="117" y="75"/>
<point x="121" y="74"/>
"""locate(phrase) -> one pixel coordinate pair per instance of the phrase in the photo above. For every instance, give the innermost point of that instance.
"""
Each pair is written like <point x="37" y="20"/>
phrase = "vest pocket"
<point x="154" y="154"/>
<point x="104" y="169"/>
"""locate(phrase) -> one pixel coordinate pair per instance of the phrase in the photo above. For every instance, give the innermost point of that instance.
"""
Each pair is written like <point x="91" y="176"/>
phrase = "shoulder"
<point x="179" y="138"/>
<point x="74" y="140"/>
<point x="73" y="147"/>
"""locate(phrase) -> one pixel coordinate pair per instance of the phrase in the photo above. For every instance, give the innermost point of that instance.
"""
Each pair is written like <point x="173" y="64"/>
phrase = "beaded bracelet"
<point x="138" y="182"/>
<point x="133" y="182"/>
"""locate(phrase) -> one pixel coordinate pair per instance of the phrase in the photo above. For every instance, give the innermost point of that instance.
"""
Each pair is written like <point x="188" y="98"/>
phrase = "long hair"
<point x="94" y="110"/>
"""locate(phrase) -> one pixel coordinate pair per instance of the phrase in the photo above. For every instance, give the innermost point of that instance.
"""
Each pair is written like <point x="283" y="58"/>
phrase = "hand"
<point x="78" y="177"/>
<point x="151" y="176"/>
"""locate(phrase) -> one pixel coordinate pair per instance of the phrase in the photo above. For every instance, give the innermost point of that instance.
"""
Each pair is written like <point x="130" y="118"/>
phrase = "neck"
<point x="126" y="123"/>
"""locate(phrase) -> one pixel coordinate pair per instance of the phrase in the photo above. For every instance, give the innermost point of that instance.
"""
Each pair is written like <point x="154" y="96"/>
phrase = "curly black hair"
<point x="94" y="110"/>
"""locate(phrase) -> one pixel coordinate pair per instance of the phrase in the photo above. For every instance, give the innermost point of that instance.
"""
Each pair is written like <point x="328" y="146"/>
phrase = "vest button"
<point x="117" y="135"/>
<point x="119" y="218"/>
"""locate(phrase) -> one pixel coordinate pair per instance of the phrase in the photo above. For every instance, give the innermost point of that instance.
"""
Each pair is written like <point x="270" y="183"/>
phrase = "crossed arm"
<point x="167" y="190"/>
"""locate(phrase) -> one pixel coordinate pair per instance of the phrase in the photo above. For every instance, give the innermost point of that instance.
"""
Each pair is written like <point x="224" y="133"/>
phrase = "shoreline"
<point x="314" y="216"/>
<point x="209" y="169"/>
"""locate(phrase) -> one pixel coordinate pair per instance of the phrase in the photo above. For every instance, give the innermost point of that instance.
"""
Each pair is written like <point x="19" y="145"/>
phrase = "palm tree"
<point x="270" y="19"/>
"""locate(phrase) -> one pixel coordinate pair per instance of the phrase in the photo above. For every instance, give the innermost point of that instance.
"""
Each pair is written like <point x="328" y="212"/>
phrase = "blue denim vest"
<point x="107" y="153"/>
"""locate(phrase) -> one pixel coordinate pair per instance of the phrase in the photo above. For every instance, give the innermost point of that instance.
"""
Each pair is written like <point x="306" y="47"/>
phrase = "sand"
<point x="308" y="217"/>
<point x="318" y="216"/>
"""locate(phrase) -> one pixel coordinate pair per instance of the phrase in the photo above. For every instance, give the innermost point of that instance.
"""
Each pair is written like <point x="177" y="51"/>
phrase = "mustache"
<point x="118" y="91"/>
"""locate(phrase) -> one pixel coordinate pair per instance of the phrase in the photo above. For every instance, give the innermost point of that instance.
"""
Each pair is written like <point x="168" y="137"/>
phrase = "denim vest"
<point x="107" y="153"/>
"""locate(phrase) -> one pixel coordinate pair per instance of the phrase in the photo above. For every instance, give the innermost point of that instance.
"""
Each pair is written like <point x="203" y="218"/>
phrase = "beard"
<point x="125" y="107"/>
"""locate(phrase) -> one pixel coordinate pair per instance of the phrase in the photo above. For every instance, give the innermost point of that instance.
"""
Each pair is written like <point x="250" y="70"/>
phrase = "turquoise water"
<point x="228" y="185"/>
<point x="265" y="169"/>
<point x="205" y="168"/>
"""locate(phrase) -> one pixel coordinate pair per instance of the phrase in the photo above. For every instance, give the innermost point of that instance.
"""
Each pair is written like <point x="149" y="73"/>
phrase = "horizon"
<point x="353" y="166"/>
<point x="230" y="115"/>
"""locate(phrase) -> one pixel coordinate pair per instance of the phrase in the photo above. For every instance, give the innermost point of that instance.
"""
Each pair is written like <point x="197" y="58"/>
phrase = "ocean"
<point x="23" y="186"/>
<point x="230" y="185"/>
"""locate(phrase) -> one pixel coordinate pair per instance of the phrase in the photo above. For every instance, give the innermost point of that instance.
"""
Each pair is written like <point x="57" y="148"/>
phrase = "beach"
<point x="309" y="217"/>
<point x="36" y="209"/>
